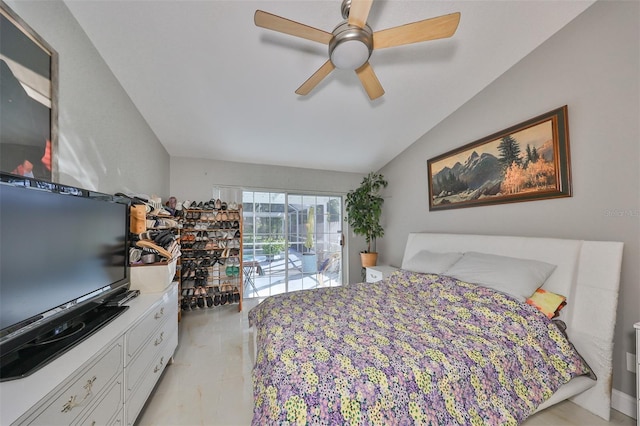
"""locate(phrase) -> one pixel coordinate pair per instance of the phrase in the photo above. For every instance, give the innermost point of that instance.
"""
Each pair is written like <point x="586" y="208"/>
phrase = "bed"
<point x="430" y="345"/>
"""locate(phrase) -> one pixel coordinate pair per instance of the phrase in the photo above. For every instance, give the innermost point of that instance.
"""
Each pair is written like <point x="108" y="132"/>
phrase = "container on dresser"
<point x="93" y="382"/>
<point x="211" y="271"/>
<point x="153" y="278"/>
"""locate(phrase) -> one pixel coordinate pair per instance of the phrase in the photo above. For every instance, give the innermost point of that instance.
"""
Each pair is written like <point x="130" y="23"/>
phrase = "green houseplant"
<point x="272" y="246"/>
<point x="364" y="208"/>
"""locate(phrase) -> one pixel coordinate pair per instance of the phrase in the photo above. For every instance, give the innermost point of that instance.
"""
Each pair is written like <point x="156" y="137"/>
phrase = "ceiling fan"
<point x="352" y="41"/>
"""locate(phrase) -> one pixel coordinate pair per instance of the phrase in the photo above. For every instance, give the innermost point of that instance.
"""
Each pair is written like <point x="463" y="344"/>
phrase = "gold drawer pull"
<point x="71" y="403"/>
<point x="88" y="386"/>
<point x="68" y="406"/>
<point x="159" y="367"/>
<point x="159" y="339"/>
<point x="159" y="315"/>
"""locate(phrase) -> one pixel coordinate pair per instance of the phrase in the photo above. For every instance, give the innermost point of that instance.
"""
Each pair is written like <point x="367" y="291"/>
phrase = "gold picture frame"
<point x="528" y="161"/>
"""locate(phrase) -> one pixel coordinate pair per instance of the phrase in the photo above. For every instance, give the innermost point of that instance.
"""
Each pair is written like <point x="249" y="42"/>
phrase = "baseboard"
<point x="624" y="403"/>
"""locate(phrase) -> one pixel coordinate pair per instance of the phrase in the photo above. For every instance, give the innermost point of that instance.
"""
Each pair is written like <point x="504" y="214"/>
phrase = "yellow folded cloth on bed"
<point x="547" y="302"/>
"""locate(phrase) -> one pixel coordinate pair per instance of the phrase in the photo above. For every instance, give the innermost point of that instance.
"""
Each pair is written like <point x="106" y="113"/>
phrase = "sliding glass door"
<point x="291" y="242"/>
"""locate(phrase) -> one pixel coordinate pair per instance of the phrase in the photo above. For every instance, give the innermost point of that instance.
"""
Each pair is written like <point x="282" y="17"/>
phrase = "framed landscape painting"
<point x="28" y="100"/>
<point x="528" y="161"/>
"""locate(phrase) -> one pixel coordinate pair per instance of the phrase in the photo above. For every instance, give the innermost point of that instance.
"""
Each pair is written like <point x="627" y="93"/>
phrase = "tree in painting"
<point x="509" y="152"/>
<point x="534" y="173"/>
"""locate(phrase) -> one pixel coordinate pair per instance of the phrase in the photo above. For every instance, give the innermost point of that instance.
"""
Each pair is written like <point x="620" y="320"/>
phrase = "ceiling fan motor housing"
<point x="351" y="46"/>
<point x="345" y="8"/>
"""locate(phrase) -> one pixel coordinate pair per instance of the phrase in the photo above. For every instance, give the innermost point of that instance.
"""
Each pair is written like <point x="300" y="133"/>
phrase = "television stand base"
<point x="55" y="341"/>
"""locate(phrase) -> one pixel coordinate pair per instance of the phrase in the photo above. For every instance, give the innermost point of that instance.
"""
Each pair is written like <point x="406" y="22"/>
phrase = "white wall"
<point x="104" y="142"/>
<point x="592" y="65"/>
<point x="199" y="179"/>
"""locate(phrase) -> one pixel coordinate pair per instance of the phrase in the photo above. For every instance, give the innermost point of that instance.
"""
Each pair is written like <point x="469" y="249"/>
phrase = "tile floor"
<point x="209" y="382"/>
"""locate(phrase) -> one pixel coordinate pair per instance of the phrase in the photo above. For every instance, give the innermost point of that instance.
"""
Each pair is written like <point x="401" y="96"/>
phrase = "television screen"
<point x="57" y="249"/>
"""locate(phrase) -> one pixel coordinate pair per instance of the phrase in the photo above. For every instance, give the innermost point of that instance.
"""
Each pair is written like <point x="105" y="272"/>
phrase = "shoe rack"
<point x="211" y="265"/>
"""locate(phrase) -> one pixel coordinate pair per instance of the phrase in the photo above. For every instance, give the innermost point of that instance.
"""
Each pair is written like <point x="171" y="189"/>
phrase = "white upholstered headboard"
<point x="587" y="273"/>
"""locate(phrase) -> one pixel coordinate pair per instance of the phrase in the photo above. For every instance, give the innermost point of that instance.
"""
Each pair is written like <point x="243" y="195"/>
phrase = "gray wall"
<point x="592" y="65"/>
<point x="104" y="142"/>
<point x="200" y="179"/>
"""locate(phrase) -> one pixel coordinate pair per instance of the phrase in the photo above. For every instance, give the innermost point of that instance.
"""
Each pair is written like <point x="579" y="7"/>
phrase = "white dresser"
<point x="378" y="273"/>
<point x="104" y="380"/>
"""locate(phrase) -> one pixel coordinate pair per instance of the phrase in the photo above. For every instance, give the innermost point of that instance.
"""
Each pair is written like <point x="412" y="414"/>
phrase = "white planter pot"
<point x="309" y="263"/>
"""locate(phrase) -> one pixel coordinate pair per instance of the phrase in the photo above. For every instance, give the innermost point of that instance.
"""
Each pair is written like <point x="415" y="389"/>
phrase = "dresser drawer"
<point x="66" y="406"/>
<point x="136" y="367"/>
<point x="150" y="375"/>
<point x="139" y="334"/>
<point x="109" y="409"/>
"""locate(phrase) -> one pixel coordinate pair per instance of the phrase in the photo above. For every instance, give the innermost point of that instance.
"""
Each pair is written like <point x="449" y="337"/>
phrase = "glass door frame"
<point x="326" y="240"/>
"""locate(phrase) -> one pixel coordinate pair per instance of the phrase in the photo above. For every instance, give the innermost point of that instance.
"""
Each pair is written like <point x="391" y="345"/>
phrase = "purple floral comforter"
<point x="412" y="349"/>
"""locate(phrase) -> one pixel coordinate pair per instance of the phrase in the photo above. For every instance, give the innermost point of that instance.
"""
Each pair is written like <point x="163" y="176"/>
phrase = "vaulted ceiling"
<point x="213" y="85"/>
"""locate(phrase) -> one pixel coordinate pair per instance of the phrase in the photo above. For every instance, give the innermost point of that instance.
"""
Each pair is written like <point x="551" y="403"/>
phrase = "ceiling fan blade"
<point x="283" y="25"/>
<point x="359" y="12"/>
<point x="316" y="78"/>
<point x="369" y="81"/>
<point x="428" y="29"/>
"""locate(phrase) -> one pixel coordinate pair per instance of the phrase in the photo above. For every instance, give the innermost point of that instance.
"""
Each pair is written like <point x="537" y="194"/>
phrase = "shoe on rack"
<point x="200" y="300"/>
<point x="209" y="298"/>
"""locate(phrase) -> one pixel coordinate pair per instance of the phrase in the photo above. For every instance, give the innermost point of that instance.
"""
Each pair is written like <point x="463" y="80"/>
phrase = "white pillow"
<point x="518" y="277"/>
<point x="428" y="262"/>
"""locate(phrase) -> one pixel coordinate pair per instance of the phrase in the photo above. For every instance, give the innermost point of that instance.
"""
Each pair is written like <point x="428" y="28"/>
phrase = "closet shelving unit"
<point x="211" y="265"/>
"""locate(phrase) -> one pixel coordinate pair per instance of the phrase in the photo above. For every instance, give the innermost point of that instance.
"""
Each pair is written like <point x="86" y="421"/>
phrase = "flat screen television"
<point x="63" y="255"/>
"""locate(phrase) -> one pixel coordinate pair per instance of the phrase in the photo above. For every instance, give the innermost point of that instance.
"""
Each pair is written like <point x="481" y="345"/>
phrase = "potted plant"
<point x="364" y="208"/>
<point x="272" y="246"/>
<point x="309" y="258"/>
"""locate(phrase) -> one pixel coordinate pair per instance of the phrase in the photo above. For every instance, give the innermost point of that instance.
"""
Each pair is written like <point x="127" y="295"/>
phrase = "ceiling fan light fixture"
<point x="350" y="55"/>
<point x="350" y="47"/>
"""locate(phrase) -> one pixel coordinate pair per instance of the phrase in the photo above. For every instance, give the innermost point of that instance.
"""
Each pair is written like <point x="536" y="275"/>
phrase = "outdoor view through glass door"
<point x="290" y="242"/>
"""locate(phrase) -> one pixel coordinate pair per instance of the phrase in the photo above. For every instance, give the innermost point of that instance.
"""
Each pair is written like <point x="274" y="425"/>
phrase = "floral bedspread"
<point x="411" y="349"/>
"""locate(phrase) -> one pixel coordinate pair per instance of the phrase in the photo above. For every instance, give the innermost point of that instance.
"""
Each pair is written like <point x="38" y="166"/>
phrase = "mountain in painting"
<point x="480" y="174"/>
<point x="545" y="151"/>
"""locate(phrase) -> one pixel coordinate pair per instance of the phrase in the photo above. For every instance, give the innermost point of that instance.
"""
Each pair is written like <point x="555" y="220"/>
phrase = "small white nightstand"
<point x="637" y="327"/>
<point x="378" y="273"/>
